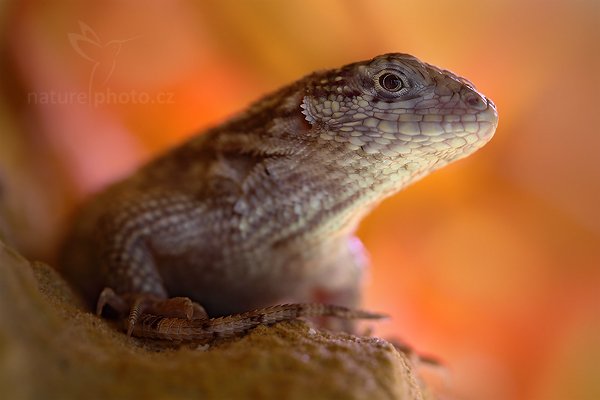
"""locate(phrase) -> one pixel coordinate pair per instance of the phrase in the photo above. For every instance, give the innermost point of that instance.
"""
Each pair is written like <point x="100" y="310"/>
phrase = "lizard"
<point x="262" y="210"/>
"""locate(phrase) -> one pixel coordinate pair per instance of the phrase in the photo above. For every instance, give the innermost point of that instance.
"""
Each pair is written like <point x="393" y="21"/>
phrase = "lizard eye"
<point x="391" y="83"/>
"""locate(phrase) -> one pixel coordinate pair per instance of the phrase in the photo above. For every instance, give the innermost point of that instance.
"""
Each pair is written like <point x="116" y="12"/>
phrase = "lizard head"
<point x="397" y="108"/>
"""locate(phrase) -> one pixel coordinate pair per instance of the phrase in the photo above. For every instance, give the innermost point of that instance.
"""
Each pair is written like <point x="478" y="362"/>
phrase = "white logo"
<point x="104" y="59"/>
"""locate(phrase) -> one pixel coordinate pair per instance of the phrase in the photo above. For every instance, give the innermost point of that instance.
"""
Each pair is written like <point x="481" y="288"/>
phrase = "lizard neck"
<point x="321" y="192"/>
<point x="355" y="181"/>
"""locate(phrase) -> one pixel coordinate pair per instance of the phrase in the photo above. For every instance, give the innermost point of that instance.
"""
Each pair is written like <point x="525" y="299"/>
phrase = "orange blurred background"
<point x="492" y="264"/>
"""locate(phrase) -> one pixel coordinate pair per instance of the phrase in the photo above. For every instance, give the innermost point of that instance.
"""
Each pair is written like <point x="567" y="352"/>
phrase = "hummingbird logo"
<point x="88" y="45"/>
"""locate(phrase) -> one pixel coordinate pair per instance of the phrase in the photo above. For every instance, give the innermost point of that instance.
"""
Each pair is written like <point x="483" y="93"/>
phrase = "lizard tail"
<point x="207" y="330"/>
<point x="287" y="312"/>
<point x="327" y="310"/>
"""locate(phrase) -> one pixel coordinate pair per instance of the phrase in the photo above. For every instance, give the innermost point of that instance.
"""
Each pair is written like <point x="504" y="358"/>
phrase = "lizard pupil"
<point x="390" y="82"/>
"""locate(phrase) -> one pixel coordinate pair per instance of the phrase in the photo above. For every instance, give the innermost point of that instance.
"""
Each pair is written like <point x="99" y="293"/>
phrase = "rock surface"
<point x="50" y="347"/>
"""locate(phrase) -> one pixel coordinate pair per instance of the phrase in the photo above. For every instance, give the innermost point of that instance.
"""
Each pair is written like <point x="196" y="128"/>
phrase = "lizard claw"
<point x="175" y="307"/>
<point x="135" y="305"/>
<point x="109" y="297"/>
<point x="410" y="352"/>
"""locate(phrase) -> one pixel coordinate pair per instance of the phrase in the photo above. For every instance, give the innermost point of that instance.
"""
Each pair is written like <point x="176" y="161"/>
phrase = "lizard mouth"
<point x="473" y="125"/>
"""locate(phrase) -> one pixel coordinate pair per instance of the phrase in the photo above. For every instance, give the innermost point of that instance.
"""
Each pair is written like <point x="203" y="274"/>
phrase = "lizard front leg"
<point x="135" y="306"/>
<point x="172" y="223"/>
<point x="127" y="236"/>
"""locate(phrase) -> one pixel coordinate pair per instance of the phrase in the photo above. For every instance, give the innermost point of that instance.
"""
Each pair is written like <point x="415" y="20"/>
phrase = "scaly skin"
<point x="203" y="330"/>
<point x="262" y="209"/>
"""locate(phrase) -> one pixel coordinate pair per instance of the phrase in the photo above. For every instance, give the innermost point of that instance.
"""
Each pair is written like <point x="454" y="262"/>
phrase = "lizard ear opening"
<point x="308" y="110"/>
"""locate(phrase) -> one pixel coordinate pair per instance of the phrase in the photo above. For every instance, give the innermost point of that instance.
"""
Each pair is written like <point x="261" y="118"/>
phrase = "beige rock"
<point x="51" y="348"/>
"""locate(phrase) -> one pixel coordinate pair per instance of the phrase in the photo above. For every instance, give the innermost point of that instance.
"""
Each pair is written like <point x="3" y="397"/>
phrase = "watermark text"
<point x="97" y="98"/>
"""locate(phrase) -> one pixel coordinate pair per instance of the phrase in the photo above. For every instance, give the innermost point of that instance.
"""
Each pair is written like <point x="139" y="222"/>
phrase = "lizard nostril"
<point x="473" y="100"/>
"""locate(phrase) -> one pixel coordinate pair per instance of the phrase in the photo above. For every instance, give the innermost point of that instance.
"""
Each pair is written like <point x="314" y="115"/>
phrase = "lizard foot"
<point x="430" y="369"/>
<point x="419" y="359"/>
<point x="134" y="305"/>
